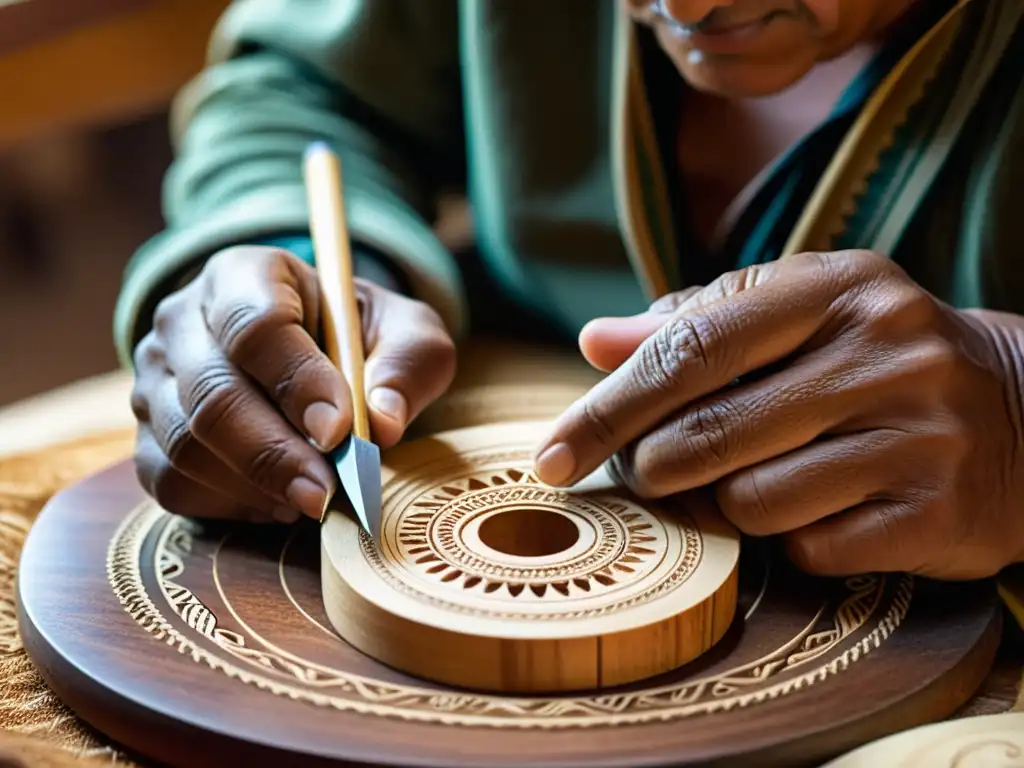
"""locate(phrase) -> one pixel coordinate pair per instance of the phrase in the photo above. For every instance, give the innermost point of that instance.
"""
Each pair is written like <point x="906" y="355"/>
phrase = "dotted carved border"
<point x="342" y="691"/>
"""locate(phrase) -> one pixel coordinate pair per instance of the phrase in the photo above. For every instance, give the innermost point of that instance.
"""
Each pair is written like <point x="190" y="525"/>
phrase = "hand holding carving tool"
<point x="357" y="459"/>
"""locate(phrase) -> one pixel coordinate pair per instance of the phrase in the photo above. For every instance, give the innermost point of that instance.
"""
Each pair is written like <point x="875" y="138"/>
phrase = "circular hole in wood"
<point x="529" y="532"/>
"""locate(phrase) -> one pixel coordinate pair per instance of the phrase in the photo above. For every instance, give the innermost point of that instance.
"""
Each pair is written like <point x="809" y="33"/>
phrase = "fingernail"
<point x="320" y="420"/>
<point x="556" y="465"/>
<point x="307" y="495"/>
<point x="389" y="403"/>
<point x="286" y="515"/>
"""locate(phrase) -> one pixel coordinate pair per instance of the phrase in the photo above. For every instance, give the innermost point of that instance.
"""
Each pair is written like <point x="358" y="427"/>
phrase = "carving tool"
<point x="357" y="459"/>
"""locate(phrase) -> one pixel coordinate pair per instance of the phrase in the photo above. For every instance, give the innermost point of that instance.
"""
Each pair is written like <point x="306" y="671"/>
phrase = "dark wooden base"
<point x="197" y="645"/>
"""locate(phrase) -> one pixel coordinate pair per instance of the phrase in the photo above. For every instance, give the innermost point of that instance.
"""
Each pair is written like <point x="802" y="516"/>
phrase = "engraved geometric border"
<point x="365" y="695"/>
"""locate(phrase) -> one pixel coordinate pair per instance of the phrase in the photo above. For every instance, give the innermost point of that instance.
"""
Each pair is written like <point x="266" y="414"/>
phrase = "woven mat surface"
<point x="37" y="730"/>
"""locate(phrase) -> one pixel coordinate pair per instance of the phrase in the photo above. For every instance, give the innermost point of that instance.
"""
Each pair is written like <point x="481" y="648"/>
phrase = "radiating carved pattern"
<point x="354" y="693"/>
<point x="509" y="486"/>
<point x="430" y="539"/>
<point x="620" y="544"/>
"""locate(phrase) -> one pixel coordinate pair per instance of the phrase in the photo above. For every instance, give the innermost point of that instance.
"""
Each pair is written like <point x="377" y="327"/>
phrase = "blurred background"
<point x="84" y="90"/>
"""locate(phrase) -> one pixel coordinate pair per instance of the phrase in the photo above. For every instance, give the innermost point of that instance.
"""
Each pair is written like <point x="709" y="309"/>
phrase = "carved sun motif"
<point x="439" y="535"/>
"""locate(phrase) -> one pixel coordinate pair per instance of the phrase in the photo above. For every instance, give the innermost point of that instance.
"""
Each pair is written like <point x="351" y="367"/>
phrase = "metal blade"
<point x="358" y="465"/>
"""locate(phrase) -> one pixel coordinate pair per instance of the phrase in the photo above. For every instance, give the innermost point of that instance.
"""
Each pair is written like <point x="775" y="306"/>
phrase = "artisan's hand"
<point x="231" y="387"/>
<point x="876" y="428"/>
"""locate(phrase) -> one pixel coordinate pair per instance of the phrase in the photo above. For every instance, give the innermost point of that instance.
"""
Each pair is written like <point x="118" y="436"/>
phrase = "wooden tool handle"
<point x="343" y="332"/>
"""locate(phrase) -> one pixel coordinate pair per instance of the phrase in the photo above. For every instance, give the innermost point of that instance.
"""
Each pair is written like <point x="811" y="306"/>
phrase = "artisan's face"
<point x="749" y="48"/>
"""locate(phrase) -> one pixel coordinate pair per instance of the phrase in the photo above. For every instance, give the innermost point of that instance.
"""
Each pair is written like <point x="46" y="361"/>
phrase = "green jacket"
<point x="547" y="111"/>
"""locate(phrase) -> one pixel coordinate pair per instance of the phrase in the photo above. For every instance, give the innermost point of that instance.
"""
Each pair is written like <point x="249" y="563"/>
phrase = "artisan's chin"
<point x="736" y="78"/>
<point x="759" y="60"/>
<point x="741" y="77"/>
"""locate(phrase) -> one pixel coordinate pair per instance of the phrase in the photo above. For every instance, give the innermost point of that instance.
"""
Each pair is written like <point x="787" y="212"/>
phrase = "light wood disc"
<point x="485" y="578"/>
<point x="993" y="741"/>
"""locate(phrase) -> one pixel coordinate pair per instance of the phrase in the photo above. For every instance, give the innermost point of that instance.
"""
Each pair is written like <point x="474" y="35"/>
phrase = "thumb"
<point x="410" y="360"/>
<point x="608" y="342"/>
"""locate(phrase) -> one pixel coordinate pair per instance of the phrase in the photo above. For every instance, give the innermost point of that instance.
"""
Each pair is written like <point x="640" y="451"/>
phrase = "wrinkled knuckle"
<point x="212" y="396"/>
<point x="268" y="464"/>
<point x="657" y="367"/>
<point x="244" y="326"/>
<point x="177" y="439"/>
<point x="677" y="349"/>
<point x="741" y="280"/>
<point x="233" y="324"/>
<point x="708" y="432"/>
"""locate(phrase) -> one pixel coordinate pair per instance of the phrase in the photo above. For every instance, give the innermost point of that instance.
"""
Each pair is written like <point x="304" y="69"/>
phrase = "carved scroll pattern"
<point x="318" y="686"/>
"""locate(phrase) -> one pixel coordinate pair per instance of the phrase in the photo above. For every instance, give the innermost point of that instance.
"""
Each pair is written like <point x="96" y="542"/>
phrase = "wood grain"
<point x="486" y="579"/>
<point x="202" y="684"/>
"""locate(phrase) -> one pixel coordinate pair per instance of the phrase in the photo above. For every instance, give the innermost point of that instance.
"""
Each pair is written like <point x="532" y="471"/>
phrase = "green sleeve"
<point x="377" y="79"/>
